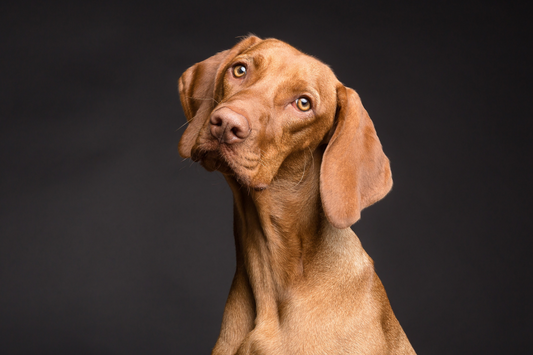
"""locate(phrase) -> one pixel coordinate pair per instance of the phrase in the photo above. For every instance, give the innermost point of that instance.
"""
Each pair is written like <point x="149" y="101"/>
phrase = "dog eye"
<point x="239" y="71"/>
<point x="303" y="104"/>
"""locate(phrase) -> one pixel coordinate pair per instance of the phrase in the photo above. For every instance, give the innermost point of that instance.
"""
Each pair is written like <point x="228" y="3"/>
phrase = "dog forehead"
<point x="273" y="47"/>
<point x="275" y="53"/>
<point x="275" y="59"/>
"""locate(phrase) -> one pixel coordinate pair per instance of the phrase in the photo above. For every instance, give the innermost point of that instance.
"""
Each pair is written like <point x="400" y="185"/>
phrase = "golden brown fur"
<point x="303" y="284"/>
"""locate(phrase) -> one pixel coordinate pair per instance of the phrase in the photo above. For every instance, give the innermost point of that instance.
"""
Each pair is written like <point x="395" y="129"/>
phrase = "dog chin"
<point x="249" y="182"/>
<point x="243" y="178"/>
<point x="215" y="160"/>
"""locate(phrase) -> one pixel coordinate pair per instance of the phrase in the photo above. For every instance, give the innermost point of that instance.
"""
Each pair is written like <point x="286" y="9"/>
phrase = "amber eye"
<point x="303" y="104"/>
<point x="239" y="71"/>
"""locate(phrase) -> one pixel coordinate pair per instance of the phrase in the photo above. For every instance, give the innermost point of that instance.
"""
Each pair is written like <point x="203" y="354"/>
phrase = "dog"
<point x="302" y="159"/>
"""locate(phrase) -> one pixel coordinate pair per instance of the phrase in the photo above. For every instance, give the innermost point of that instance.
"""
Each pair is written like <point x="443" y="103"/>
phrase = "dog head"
<point x="251" y="107"/>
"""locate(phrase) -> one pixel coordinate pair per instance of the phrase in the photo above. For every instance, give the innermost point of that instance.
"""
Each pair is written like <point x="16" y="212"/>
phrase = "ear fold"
<point x="355" y="172"/>
<point x="197" y="90"/>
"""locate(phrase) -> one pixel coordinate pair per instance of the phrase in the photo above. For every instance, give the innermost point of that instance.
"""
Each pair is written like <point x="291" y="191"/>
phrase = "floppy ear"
<point x="197" y="89"/>
<point x="355" y="172"/>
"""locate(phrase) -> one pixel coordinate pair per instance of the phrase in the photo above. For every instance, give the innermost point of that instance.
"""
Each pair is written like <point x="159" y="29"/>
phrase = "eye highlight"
<point x="239" y="71"/>
<point x="303" y="104"/>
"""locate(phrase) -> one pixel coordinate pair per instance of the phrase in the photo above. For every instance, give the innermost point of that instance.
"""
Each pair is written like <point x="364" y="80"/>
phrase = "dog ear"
<point x="197" y="90"/>
<point x="355" y="172"/>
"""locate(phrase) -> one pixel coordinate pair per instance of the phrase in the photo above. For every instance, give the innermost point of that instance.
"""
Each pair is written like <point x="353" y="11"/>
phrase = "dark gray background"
<point x="110" y="243"/>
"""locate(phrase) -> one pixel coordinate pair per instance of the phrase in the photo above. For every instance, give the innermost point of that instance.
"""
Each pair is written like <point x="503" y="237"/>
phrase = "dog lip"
<point x="197" y="156"/>
<point x="260" y="187"/>
<point x="215" y="155"/>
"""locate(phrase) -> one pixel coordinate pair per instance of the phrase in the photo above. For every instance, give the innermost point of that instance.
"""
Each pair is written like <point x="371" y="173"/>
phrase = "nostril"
<point x="216" y="120"/>
<point x="228" y="126"/>
<point x="237" y="132"/>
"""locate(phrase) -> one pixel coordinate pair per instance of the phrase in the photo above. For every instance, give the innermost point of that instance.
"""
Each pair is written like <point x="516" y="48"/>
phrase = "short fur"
<point x="303" y="283"/>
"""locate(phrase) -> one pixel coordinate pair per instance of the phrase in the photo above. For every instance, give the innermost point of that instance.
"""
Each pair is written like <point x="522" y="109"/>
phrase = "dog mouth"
<point x="243" y="164"/>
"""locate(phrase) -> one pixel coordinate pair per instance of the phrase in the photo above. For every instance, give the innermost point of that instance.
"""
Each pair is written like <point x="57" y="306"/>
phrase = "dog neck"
<point x="277" y="232"/>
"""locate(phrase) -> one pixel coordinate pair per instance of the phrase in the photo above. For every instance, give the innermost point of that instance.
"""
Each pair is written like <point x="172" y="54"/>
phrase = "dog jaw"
<point x="241" y="162"/>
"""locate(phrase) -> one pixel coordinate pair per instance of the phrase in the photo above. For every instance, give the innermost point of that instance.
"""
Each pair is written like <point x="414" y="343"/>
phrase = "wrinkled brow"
<point x="257" y="60"/>
<point x="290" y="89"/>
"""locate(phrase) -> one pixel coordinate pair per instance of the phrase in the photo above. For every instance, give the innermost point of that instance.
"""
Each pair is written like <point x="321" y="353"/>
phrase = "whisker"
<point x="312" y="158"/>
<point x="200" y="111"/>
<point x="203" y="98"/>
<point x="261" y="158"/>
<point x="303" y="174"/>
<point x="183" y="125"/>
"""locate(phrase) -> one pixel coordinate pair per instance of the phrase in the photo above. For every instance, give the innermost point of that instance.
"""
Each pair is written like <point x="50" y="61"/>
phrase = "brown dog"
<point x="302" y="158"/>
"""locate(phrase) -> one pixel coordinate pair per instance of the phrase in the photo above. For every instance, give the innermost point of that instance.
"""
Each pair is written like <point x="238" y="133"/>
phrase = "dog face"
<point x="254" y="109"/>
<point x="270" y="101"/>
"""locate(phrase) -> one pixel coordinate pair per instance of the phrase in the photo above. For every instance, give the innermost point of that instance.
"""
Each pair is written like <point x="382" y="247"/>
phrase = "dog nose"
<point x="228" y="126"/>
